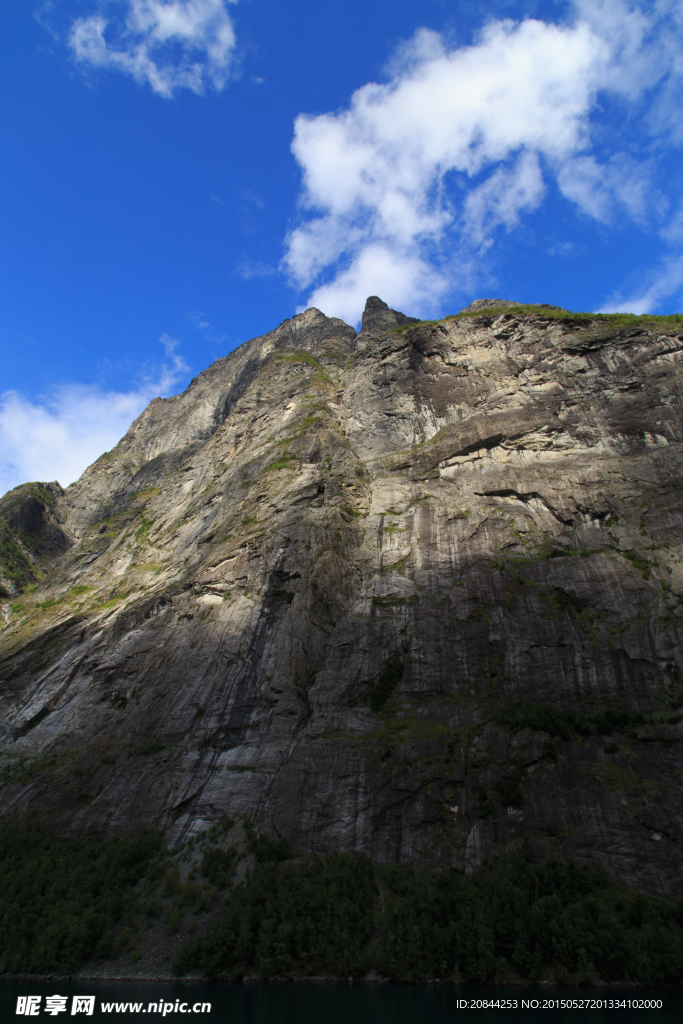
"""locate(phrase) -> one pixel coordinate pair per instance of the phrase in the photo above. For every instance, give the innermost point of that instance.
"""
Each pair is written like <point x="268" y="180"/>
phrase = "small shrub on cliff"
<point x="218" y="866"/>
<point x="525" y="714"/>
<point x="510" y="791"/>
<point x="265" y="850"/>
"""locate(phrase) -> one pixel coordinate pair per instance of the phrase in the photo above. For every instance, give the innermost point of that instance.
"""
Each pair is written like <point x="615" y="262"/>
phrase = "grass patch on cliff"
<point x="61" y="900"/>
<point x="297" y="357"/>
<point x="520" y="309"/>
<point x="564" y="723"/>
<point x="148" y="748"/>
<point x="283" y="461"/>
<point x="16" y="567"/>
<point x="146" y="492"/>
<point x="398" y="732"/>
<point x="312" y="419"/>
<point x="20" y="770"/>
<point x="556" y="314"/>
<point x="111" y="603"/>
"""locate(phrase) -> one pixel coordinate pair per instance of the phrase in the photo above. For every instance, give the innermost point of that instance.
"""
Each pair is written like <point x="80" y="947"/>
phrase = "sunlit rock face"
<point x="305" y="589"/>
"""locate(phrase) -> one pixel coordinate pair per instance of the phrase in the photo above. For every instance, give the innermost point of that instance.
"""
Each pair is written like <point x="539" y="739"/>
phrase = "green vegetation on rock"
<point x="15" y="565"/>
<point x="557" y="314"/>
<point x="29" y="535"/>
<point x="520" y="309"/>
<point x="298" y="357"/>
<point x="524" y="714"/>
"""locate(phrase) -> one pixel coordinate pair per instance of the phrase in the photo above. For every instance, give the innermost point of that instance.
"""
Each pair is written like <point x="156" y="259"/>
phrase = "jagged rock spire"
<point x="378" y="317"/>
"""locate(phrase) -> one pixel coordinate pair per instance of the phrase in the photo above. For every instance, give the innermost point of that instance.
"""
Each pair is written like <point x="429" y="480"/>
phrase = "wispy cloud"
<point x="198" y="320"/>
<point x="58" y="435"/>
<point x="415" y="178"/>
<point x="248" y="268"/>
<point x="206" y="328"/>
<point x="566" y="249"/>
<point x="169" y="44"/>
<point x="645" y="294"/>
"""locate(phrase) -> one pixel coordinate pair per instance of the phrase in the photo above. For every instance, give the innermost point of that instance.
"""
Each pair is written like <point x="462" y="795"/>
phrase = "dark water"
<point x="311" y="1003"/>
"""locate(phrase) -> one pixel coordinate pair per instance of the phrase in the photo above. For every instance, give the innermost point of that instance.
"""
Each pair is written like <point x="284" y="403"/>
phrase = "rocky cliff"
<point x="31" y="535"/>
<point x="415" y="591"/>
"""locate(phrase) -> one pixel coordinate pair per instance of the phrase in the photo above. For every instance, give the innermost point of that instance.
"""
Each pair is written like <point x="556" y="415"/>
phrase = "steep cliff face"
<point x="314" y="587"/>
<point x="32" y="535"/>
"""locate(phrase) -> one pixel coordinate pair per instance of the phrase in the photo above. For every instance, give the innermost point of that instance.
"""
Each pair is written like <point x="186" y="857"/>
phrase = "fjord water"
<point x="327" y="1003"/>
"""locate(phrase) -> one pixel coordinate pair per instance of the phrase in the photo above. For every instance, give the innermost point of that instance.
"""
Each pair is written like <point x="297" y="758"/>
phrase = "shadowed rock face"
<point x="32" y="535"/>
<point x="305" y="588"/>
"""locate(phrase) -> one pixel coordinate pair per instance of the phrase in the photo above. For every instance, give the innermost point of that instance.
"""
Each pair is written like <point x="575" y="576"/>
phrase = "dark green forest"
<point x="63" y="901"/>
<point x="342" y="915"/>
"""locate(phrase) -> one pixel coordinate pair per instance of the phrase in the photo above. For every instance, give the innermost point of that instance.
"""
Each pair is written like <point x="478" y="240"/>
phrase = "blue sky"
<point x="178" y="176"/>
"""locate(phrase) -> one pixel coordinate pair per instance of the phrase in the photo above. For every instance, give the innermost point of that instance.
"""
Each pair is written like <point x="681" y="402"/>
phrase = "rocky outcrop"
<point x="32" y="535"/>
<point x="312" y="588"/>
<point x="490" y="304"/>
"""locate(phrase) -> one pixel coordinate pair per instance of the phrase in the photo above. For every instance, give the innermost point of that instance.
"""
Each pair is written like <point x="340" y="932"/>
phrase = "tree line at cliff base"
<point x="65" y="901"/>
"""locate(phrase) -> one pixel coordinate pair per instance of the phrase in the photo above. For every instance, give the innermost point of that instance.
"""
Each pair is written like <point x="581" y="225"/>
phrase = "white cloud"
<point x="502" y="197"/>
<point x="421" y="171"/>
<point x="566" y="249"/>
<point x="661" y="283"/>
<point x="402" y="279"/>
<point x="170" y="44"/>
<point x="59" y="435"/>
<point x="198" y="320"/>
<point x="619" y="184"/>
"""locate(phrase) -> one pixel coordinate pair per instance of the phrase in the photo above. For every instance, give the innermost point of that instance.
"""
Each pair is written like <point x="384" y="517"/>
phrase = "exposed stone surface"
<point x="478" y="304"/>
<point x="301" y="589"/>
<point x="32" y="534"/>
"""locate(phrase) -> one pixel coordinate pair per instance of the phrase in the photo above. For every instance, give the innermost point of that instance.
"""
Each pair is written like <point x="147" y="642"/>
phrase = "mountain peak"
<point x="379" y="318"/>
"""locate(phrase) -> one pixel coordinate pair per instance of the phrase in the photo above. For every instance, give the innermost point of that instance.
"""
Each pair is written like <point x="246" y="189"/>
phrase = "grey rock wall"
<point x="304" y="589"/>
